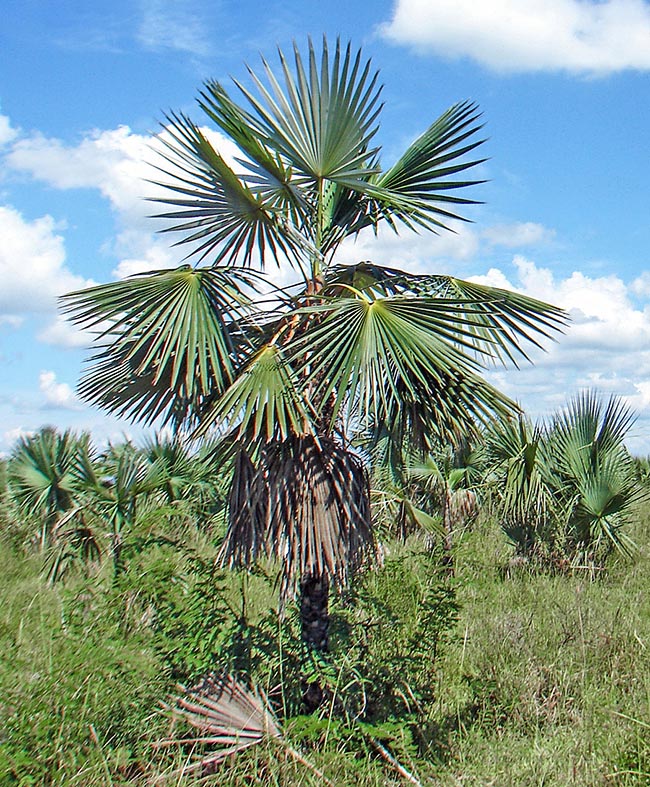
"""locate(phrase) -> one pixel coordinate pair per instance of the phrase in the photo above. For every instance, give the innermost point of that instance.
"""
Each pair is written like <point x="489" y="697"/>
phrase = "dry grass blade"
<point x="230" y="718"/>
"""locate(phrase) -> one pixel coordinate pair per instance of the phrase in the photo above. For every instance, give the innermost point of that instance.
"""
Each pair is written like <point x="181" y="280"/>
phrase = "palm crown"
<point x="289" y="376"/>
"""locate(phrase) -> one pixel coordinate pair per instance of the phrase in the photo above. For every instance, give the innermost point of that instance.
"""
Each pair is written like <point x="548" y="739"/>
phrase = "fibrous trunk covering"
<point x="304" y="501"/>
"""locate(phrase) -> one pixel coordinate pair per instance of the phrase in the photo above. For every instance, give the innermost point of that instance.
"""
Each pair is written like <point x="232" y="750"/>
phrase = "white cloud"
<point x="57" y="395"/>
<point x="410" y="250"/>
<point x="641" y="285"/>
<point x="32" y="265"/>
<point x="7" y="133"/>
<point x="579" y="36"/>
<point x="116" y="162"/>
<point x="605" y="347"/>
<point x="12" y="436"/>
<point x="62" y="333"/>
<point x="119" y="163"/>
<point x="526" y="233"/>
<point x="13" y="320"/>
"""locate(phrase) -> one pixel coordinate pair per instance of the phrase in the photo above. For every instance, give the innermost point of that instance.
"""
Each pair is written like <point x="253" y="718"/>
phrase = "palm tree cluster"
<point x="569" y="487"/>
<point x="290" y="379"/>
<point x="82" y="506"/>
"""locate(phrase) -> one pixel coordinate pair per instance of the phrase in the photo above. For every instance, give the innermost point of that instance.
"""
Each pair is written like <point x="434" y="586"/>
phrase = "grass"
<point x="549" y="683"/>
<point x="544" y="680"/>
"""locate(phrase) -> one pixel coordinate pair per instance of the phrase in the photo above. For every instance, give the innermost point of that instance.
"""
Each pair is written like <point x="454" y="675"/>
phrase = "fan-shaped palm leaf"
<point x="396" y="353"/>
<point x="415" y="189"/>
<point x="44" y="473"/>
<point x="216" y="210"/>
<point x="230" y="718"/>
<point x="169" y="340"/>
<point x="265" y="402"/>
<point x="323" y="119"/>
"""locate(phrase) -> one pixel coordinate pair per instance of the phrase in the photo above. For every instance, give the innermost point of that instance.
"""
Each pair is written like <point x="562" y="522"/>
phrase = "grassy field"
<point x="539" y="679"/>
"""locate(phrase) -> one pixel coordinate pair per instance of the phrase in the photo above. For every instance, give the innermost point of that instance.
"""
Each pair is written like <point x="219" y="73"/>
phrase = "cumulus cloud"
<point x="411" y="250"/>
<point x="7" y="132"/>
<point x="62" y="333"/>
<point x="606" y="346"/>
<point x="56" y="395"/>
<point x="578" y="36"/>
<point x="32" y="265"/>
<point x="120" y="164"/>
<point x="116" y="162"/>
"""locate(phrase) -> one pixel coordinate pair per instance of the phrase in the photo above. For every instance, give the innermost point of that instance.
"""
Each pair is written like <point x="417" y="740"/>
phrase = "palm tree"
<point x="568" y="486"/>
<point x="595" y="476"/>
<point x="289" y="376"/>
<point x="44" y="473"/>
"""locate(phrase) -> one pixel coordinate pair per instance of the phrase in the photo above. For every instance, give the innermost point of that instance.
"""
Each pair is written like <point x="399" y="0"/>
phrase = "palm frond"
<point x="502" y="320"/>
<point x="229" y="716"/>
<point x="396" y="352"/>
<point x="216" y="211"/>
<point x="265" y="402"/>
<point x="168" y="340"/>
<point x="415" y="190"/>
<point x="322" y="119"/>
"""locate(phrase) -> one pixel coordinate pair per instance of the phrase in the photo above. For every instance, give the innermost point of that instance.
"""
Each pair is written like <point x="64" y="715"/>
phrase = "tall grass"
<point x="537" y="678"/>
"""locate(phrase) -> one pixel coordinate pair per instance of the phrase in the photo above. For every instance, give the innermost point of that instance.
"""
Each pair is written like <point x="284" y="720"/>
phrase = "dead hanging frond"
<point x="248" y="501"/>
<point x="306" y="503"/>
<point x="229" y="718"/>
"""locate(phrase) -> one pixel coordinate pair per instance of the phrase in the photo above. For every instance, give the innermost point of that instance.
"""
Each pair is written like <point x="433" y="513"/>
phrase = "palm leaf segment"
<point x="168" y="340"/>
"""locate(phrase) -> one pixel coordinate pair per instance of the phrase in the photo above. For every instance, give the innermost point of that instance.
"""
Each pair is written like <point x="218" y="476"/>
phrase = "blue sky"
<point x="564" y="88"/>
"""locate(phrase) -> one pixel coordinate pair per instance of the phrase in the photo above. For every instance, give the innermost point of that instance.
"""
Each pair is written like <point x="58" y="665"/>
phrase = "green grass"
<point x="543" y="679"/>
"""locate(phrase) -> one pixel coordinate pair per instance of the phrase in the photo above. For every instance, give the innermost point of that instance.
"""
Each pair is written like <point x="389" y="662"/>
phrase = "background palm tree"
<point x="567" y="488"/>
<point x="44" y="472"/>
<point x="290" y="377"/>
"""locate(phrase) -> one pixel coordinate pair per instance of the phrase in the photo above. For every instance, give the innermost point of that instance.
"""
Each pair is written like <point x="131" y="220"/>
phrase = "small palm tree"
<point x="569" y="485"/>
<point x="595" y="476"/>
<point x="44" y="472"/>
<point x="290" y="377"/>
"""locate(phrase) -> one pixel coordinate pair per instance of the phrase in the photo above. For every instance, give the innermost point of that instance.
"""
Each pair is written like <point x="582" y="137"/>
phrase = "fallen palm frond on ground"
<point x="230" y="718"/>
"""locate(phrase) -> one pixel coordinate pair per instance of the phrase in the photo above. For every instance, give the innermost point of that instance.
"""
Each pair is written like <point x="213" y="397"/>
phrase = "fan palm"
<point x="595" y="474"/>
<point x="289" y="376"/>
<point x="44" y="472"/>
<point x="570" y="484"/>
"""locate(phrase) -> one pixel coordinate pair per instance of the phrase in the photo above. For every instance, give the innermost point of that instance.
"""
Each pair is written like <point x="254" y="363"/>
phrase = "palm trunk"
<point x="314" y="622"/>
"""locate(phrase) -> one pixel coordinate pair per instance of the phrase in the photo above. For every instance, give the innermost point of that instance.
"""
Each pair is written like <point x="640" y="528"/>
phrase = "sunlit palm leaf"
<point x="589" y="428"/>
<point x="393" y="352"/>
<point x="217" y="212"/>
<point x="499" y="322"/>
<point x="230" y="718"/>
<point x="587" y="444"/>
<point x="168" y="340"/>
<point x="322" y="120"/>
<point x="265" y="402"/>
<point x="503" y="319"/>
<point x="415" y="189"/>
<point x="264" y="171"/>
